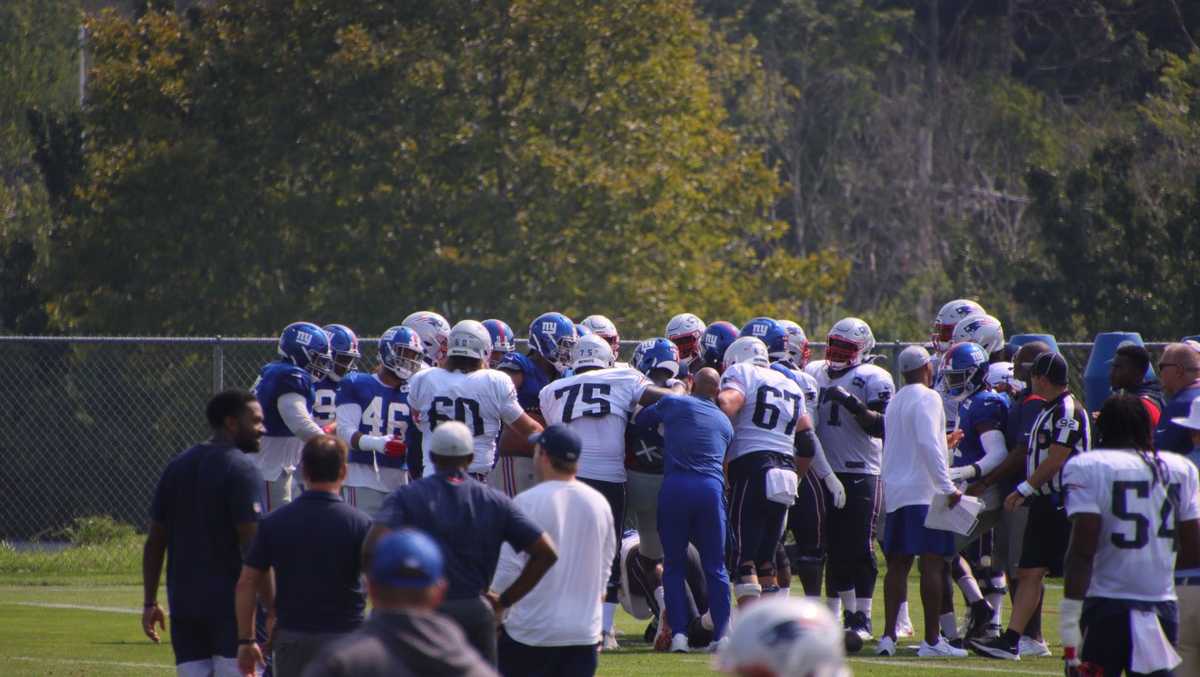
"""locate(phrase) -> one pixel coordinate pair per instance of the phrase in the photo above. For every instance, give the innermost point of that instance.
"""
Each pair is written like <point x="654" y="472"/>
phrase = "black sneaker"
<point x="996" y="648"/>
<point x="847" y="620"/>
<point x="978" y="620"/>
<point x="651" y="632"/>
<point x="862" y="626"/>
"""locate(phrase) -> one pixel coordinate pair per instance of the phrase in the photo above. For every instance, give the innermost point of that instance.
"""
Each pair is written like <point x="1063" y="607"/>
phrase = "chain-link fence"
<point x="90" y="423"/>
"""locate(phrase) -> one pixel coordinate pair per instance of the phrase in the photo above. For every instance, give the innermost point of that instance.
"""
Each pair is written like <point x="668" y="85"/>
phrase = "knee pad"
<point x="741" y="590"/>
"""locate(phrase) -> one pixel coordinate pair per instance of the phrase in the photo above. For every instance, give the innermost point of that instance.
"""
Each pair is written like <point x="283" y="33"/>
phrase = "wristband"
<point x="1025" y="489"/>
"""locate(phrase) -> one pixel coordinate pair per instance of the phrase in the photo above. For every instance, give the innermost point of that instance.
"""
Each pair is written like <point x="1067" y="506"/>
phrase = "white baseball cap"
<point x="452" y="438"/>
<point x="911" y="358"/>
<point x="1192" y="420"/>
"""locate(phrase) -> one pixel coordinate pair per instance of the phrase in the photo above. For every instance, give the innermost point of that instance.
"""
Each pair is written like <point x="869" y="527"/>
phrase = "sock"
<point x="706" y="620"/>
<point x="848" y="603"/>
<point x="660" y="597"/>
<point x="864" y="605"/>
<point x="835" y="606"/>
<point x="610" y="613"/>
<point x="996" y="599"/>
<point x="902" y="617"/>
<point x="970" y="589"/>
<point x="949" y="625"/>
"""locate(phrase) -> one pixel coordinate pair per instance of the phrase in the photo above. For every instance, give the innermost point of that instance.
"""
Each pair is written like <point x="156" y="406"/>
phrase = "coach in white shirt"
<point x="915" y="470"/>
<point x="553" y="631"/>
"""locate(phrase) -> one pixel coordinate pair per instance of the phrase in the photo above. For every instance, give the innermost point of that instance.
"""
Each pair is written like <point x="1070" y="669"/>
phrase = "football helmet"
<point x="786" y="636"/>
<point x="553" y="336"/>
<point x="797" y="343"/>
<point x="848" y="343"/>
<point x="471" y="339"/>
<point x="950" y="315"/>
<point x="685" y="330"/>
<point x="658" y="353"/>
<point x="306" y="345"/>
<point x="605" y="329"/>
<point x="715" y="341"/>
<point x="504" y="341"/>
<point x="434" y="331"/>
<point x="984" y="330"/>
<point x="401" y="351"/>
<point x="771" y="332"/>
<point x="343" y="344"/>
<point x="592" y="351"/>
<point x="1000" y="377"/>
<point x="581" y="330"/>
<point x="747" y="349"/>
<point x="964" y="370"/>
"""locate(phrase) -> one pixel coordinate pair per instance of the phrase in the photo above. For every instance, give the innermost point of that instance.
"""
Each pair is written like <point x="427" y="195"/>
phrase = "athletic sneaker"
<point x="940" y="650"/>
<point x="886" y="647"/>
<point x="1032" y="648"/>
<point x="978" y="619"/>
<point x="993" y="630"/>
<point x="862" y="625"/>
<point x="719" y="645"/>
<point x="996" y="648"/>
<point x="651" y="631"/>
<point x="608" y="642"/>
<point x="957" y="642"/>
<point x="679" y="643"/>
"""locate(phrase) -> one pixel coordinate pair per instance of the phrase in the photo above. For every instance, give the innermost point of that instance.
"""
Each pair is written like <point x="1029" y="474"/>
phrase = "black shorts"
<point x="1046" y="535"/>
<point x="614" y="493"/>
<point x="201" y="639"/>
<point x="1106" y="636"/>
<point x="806" y="518"/>
<point x="756" y="521"/>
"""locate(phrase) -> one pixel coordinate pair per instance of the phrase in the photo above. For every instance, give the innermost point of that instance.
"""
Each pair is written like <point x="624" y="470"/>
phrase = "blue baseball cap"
<point x="407" y="558"/>
<point x="559" y="441"/>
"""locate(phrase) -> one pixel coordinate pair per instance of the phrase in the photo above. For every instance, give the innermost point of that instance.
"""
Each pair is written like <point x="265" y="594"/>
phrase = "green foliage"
<point x="97" y="530"/>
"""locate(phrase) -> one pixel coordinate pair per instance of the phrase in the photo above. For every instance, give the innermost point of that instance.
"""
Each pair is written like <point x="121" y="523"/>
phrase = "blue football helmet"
<point x="716" y="338"/>
<point x="306" y="345"/>
<point x="771" y="333"/>
<point x="553" y="336"/>
<point x="343" y="343"/>
<point x="658" y="353"/>
<point x="964" y="370"/>
<point x="401" y="351"/>
<point x="503" y="340"/>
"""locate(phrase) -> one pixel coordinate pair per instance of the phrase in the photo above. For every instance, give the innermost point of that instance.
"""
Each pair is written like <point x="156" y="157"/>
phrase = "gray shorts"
<point x="641" y="501"/>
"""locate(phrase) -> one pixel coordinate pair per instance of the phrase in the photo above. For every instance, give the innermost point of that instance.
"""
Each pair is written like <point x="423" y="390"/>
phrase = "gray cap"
<point x="452" y="438"/>
<point x="912" y="358"/>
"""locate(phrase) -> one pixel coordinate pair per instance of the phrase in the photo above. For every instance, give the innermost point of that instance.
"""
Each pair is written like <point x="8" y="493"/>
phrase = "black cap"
<point x="559" y="441"/>
<point x="1051" y="365"/>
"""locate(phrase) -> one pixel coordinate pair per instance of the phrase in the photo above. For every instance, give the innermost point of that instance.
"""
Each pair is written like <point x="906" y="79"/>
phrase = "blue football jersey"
<point x="274" y="381"/>
<point x="384" y="412"/>
<point x="324" y="406"/>
<point x="985" y="410"/>
<point x="534" y="379"/>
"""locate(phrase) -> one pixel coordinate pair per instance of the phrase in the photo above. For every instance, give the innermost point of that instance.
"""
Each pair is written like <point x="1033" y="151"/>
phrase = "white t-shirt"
<point x="848" y="446"/>
<point x="1135" y="554"/>
<point x="564" y="609"/>
<point x="767" y="420"/>
<point x="482" y="399"/>
<point x="597" y="405"/>
<point x="915" y="464"/>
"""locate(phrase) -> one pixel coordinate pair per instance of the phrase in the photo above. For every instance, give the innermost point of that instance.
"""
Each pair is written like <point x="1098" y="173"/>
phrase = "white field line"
<point x="70" y="661"/>
<point x="81" y="607"/>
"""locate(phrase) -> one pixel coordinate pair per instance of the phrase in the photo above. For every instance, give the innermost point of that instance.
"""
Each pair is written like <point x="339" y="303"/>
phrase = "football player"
<point x="434" y="331"/>
<point x="343" y="343"/>
<point x="685" y="330"/>
<point x="504" y="341"/>
<point x="466" y="390"/>
<point x="285" y="390"/>
<point x="984" y="331"/>
<point x="551" y="338"/>
<point x="948" y="317"/>
<point x="1135" y="530"/>
<point x="597" y="402"/>
<point x="850" y="409"/>
<point x="782" y="638"/>
<point x="373" y="418"/>
<point x="716" y="339"/>
<point x="604" y="328"/>
<point x="773" y="446"/>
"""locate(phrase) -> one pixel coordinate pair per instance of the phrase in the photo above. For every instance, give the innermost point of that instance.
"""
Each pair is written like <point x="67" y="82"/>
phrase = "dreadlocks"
<point x="1125" y="424"/>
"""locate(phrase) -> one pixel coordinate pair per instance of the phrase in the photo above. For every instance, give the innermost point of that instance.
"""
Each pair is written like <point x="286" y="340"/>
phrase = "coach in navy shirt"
<point x="691" y="503"/>
<point x="204" y="514"/>
<point x="314" y="544"/>
<point x="469" y="521"/>
<point x="1179" y="370"/>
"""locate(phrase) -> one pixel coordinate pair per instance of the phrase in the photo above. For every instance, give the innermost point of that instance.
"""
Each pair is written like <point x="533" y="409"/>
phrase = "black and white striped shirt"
<point x="1064" y="421"/>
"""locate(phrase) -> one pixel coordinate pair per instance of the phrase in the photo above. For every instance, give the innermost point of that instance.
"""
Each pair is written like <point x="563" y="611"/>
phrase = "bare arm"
<point x="1189" y="545"/>
<point x="1055" y="460"/>
<point x="525" y="425"/>
<point x="245" y="595"/>
<point x="653" y="394"/>
<point x="153" y="554"/>
<point x="730" y="401"/>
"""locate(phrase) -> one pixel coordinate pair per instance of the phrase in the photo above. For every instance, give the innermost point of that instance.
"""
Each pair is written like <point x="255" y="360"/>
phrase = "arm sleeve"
<point x="294" y="411"/>
<point x="820" y="463"/>
<point x="505" y="394"/>
<point x="994" y="451"/>
<point x="519" y="531"/>
<point x="348" y="418"/>
<point x="1082" y="494"/>
<point x="244" y="501"/>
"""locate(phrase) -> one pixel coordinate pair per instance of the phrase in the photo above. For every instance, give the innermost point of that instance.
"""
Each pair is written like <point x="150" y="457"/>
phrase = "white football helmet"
<point x="604" y="328"/>
<point x="685" y="330"/>
<point x="848" y="343"/>
<point x="592" y="351"/>
<point x="747" y="349"/>
<point x="434" y="331"/>
<point x="470" y="339"/>
<point x="982" y="330"/>
<point x="1001" y="374"/>
<point x="797" y="343"/>
<point x="786" y="637"/>
<point x="948" y="317"/>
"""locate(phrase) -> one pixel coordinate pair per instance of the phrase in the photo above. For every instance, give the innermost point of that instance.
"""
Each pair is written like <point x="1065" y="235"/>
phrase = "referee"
<point x="1061" y="431"/>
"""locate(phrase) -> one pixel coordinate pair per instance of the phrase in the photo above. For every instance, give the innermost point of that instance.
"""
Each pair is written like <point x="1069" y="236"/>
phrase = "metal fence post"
<point x="218" y="366"/>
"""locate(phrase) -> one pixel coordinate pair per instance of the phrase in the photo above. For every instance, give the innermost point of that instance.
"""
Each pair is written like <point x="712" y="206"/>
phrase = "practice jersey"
<point x="482" y="399"/>
<point x="767" y="420"/>
<point x="597" y="405"/>
<point x="1139" y="514"/>
<point x="279" y="448"/>
<point x="847" y="446"/>
<point x="643" y="449"/>
<point x="324" y="408"/>
<point x="985" y="410"/>
<point x="534" y="379"/>
<point x="369" y="406"/>
<point x="1065" y="422"/>
<point x="806" y="381"/>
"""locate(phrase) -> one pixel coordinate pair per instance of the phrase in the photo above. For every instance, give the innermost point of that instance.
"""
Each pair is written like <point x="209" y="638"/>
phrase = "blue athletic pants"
<point x="691" y="508"/>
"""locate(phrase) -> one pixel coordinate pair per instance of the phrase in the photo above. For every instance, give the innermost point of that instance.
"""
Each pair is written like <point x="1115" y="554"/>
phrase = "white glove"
<point x="963" y="473"/>
<point x="834" y="485"/>
<point x="1069" y="612"/>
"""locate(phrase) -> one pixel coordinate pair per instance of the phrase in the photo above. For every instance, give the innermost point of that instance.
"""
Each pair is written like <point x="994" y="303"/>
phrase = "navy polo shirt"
<point x="314" y="544"/>
<point x="201" y="498"/>
<point x="468" y="520"/>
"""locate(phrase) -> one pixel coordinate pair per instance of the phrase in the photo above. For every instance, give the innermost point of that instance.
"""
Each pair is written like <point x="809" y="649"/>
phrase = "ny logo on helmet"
<point x="549" y="327"/>
<point x="758" y="330"/>
<point x="710" y="341"/>
<point x="303" y="338"/>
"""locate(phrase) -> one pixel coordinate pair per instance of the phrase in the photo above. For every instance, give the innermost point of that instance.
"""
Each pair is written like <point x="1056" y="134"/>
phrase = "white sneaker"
<point x="886" y="647"/>
<point x="679" y="643"/>
<point x="608" y="642"/>
<point x="940" y="650"/>
<point x="719" y="645"/>
<point x="1029" y="646"/>
<point x="904" y="626"/>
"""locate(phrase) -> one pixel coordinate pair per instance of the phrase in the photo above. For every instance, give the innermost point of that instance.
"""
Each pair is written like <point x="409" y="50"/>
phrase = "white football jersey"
<point x="774" y="405"/>
<point x="848" y="447"/>
<point x="482" y="400"/>
<point x="597" y="405"/>
<point x="1135" y="557"/>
